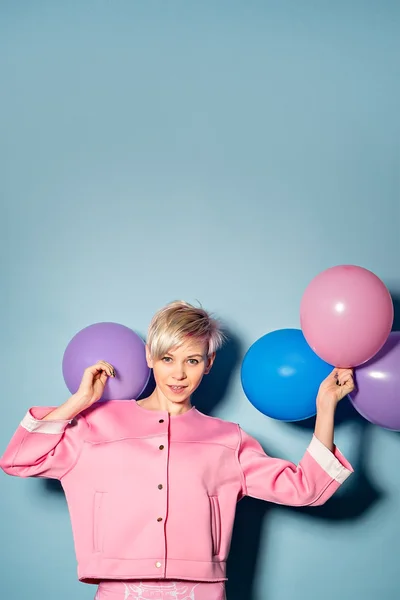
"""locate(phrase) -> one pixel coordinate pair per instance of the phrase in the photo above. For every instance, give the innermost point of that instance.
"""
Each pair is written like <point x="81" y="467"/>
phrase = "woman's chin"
<point x="178" y="397"/>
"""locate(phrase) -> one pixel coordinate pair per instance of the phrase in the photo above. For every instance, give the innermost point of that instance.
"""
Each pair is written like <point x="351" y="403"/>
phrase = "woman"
<point x="152" y="485"/>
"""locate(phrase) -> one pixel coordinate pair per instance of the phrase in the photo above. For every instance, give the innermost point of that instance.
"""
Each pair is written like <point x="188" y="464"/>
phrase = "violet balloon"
<point x="346" y="315"/>
<point x="377" y="394"/>
<point x="116" y="344"/>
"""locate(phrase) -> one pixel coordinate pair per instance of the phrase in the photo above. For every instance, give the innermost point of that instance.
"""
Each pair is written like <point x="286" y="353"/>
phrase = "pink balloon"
<point x="346" y="315"/>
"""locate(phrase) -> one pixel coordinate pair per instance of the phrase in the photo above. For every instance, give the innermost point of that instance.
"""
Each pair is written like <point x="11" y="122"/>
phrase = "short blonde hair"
<point x="176" y="322"/>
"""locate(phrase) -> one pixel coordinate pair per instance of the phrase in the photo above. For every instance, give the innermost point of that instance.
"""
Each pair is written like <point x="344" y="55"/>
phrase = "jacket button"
<point x="160" y="486"/>
<point x="161" y="421"/>
<point x="161" y="447"/>
<point x="158" y="565"/>
<point x="159" y="519"/>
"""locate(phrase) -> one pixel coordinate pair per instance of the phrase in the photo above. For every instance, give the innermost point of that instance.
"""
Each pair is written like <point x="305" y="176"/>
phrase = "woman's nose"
<point x="179" y="373"/>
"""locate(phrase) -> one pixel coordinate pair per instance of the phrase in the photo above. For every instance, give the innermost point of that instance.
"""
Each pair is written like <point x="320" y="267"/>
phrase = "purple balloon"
<point x="377" y="393"/>
<point x="117" y="345"/>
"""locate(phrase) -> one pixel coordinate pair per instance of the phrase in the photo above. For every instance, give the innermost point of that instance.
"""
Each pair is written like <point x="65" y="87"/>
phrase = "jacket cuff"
<point x="333" y="463"/>
<point x="33" y="425"/>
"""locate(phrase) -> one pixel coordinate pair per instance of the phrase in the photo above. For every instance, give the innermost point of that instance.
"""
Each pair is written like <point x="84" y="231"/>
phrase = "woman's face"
<point x="179" y="372"/>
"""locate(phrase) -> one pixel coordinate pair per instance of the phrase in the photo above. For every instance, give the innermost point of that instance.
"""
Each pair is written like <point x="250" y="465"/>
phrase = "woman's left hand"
<point x="336" y="386"/>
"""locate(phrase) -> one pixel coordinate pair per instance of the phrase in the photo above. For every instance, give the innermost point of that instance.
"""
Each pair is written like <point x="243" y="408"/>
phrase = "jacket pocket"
<point x="98" y="521"/>
<point x="215" y="524"/>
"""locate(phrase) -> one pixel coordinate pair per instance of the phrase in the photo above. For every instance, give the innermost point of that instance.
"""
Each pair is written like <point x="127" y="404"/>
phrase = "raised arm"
<point x="48" y="441"/>
<point x="322" y="469"/>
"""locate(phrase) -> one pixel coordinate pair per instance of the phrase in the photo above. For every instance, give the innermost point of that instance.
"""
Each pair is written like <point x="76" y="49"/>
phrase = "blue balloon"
<point x="281" y="375"/>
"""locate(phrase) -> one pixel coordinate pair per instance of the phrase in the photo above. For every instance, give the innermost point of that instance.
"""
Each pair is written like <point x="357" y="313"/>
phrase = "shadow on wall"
<point x="396" y="320"/>
<point x="396" y="305"/>
<point x="215" y="385"/>
<point x="359" y="495"/>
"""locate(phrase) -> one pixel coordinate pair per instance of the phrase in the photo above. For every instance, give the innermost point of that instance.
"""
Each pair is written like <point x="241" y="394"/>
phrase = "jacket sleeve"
<point x="44" y="448"/>
<point x="310" y="483"/>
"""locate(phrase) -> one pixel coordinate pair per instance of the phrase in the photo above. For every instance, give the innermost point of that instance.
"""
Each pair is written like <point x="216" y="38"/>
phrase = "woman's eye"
<point x="193" y="361"/>
<point x="167" y="359"/>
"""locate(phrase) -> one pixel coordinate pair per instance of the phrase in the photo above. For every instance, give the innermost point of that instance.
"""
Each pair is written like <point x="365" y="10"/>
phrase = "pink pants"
<point x="160" y="590"/>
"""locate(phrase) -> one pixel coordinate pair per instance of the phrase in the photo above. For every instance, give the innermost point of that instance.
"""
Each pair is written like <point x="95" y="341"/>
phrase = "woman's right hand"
<point x="90" y="390"/>
<point x="93" y="382"/>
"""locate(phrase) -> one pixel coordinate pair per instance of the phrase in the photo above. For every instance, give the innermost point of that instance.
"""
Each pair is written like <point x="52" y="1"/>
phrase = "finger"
<point x="348" y="387"/>
<point x="333" y="374"/>
<point x="103" y="378"/>
<point x="341" y="375"/>
<point x="344" y="377"/>
<point x="342" y="372"/>
<point x="347" y="382"/>
<point x="96" y="372"/>
<point x="107" y="364"/>
<point x="109" y="369"/>
<point x="94" y="369"/>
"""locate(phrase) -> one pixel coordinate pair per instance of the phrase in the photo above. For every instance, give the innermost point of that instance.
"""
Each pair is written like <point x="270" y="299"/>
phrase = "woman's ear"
<point x="149" y="360"/>
<point x="210" y="363"/>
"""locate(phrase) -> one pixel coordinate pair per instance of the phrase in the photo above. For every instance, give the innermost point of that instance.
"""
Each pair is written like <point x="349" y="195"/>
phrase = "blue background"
<point x="223" y="151"/>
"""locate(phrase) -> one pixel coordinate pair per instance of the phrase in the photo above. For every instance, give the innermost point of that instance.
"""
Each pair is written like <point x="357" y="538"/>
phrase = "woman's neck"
<point x="157" y="401"/>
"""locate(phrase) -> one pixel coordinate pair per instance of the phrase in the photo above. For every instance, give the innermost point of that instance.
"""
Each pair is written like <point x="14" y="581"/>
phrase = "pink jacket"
<point x="153" y="496"/>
